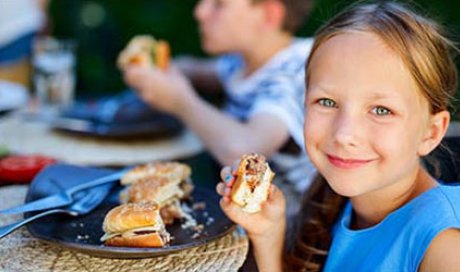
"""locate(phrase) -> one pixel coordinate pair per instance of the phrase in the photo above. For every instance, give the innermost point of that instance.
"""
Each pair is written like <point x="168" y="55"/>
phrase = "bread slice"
<point x="171" y="170"/>
<point x="156" y="189"/>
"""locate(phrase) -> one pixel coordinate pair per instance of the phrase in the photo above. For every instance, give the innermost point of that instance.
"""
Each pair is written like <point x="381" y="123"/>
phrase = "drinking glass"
<point x="54" y="73"/>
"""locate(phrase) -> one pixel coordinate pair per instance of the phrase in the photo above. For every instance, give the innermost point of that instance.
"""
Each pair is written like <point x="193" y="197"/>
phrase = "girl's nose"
<point x="346" y="130"/>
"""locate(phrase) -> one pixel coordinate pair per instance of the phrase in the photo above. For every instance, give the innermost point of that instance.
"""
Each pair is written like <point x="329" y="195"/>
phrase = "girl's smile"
<point x="347" y="163"/>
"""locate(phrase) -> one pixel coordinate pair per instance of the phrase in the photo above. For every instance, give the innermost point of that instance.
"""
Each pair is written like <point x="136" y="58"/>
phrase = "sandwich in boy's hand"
<point x="252" y="184"/>
<point x="144" y="50"/>
<point x="165" y="183"/>
<point x="135" y="225"/>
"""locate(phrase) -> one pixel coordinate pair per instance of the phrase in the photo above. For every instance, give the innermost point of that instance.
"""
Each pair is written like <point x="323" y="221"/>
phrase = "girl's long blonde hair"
<point x="426" y="53"/>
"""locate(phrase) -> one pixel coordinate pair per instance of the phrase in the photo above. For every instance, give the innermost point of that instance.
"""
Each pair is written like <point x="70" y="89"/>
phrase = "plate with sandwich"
<point x="155" y="209"/>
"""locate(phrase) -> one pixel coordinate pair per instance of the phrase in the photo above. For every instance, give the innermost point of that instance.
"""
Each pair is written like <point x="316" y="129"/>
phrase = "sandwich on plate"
<point x="135" y="225"/>
<point x="165" y="183"/>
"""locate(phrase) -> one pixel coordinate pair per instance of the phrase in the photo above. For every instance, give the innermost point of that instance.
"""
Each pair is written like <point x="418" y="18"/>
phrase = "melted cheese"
<point x="132" y="232"/>
<point x="159" y="227"/>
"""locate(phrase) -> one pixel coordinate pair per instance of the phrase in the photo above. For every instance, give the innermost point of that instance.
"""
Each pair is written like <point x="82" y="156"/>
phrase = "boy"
<point x="261" y="69"/>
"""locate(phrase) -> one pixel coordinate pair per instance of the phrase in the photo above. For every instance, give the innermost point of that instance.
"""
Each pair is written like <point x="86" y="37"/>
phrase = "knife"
<point x="64" y="198"/>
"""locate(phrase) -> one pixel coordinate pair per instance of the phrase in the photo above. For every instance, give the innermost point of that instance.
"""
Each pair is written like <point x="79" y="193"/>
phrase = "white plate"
<point x="12" y="95"/>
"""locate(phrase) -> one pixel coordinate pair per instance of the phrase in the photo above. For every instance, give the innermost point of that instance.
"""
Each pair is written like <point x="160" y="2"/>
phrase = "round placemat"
<point x="21" y="252"/>
<point x="35" y="137"/>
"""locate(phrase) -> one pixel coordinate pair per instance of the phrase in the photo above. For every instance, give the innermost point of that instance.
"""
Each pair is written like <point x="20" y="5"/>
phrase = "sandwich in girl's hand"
<point x="135" y="225"/>
<point x="252" y="184"/>
<point x="144" y="50"/>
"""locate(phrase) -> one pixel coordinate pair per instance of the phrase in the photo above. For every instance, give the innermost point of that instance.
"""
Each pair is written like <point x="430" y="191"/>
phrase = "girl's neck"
<point x="264" y="50"/>
<point x="372" y="208"/>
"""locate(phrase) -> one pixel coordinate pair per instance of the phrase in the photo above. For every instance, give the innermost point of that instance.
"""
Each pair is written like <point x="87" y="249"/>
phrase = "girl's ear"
<point x="437" y="128"/>
<point x="274" y="13"/>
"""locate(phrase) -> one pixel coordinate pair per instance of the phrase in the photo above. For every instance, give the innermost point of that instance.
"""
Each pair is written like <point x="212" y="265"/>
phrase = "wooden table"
<point x="20" y="251"/>
<point x="35" y="137"/>
<point x="24" y="137"/>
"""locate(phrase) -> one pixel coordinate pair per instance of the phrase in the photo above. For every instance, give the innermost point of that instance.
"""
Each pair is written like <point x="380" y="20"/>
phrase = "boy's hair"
<point x="297" y="12"/>
<point x="426" y="54"/>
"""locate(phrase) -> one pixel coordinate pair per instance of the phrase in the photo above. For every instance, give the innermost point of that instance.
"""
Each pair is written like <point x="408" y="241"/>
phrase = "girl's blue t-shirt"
<point x="400" y="241"/>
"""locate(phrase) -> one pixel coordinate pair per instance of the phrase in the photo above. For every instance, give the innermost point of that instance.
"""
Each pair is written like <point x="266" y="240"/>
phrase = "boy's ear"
<point x="275" y="12"/>
<point x="438" y="125"/>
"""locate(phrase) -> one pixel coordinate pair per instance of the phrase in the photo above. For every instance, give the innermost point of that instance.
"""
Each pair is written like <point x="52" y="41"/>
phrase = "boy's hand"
<point x="167" y="91"/>
<point x="264" y="225"/>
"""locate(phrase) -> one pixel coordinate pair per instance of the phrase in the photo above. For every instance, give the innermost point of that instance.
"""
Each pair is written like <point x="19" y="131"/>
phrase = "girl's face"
<point x="366" y="120"/>
<point x="228" y="25"/>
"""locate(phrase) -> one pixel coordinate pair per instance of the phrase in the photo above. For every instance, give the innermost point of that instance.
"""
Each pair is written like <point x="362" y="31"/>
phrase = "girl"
<point x="379" y="79"/>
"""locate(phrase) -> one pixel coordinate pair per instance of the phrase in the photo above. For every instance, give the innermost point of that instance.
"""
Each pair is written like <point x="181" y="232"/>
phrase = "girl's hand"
<point x="268" y="223"/>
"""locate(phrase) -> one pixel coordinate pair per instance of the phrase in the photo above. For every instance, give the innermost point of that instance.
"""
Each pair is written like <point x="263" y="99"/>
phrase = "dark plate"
<point x="159" y="126"/>
<point x="83" y="233"/>
<point x="121" y="116"/>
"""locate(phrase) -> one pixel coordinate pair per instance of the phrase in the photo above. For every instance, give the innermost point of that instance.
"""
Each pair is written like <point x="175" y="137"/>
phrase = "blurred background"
<point x="103" y="27"/>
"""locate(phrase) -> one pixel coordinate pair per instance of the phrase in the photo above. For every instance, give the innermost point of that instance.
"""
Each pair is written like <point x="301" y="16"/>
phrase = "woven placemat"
<point x="35" y="137"/>
<point x="21" y="252"/>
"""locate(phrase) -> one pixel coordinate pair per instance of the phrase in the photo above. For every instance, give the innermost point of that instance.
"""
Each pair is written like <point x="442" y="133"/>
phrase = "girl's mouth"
<point x="346" y="163"/>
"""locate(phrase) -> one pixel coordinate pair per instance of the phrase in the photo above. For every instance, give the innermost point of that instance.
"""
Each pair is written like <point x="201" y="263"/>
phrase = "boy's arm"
<point x="227" y="138"/>
<point x="201" y="72"/>
<point x="443" y="254"/>
<point x="224" y="136"/>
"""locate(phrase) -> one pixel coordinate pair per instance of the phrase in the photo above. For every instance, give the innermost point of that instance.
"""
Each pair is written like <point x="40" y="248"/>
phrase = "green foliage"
<point x="103" y="27"/>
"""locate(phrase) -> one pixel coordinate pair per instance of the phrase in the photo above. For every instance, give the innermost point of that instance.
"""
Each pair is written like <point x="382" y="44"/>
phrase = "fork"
<point x="86" y="201"/>
<point x="64" y="198"/>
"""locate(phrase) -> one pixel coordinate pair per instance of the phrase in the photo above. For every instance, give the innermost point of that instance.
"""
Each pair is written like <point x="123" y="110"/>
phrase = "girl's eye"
<point x="326" y="102"/>
<point x="381" y="111"/>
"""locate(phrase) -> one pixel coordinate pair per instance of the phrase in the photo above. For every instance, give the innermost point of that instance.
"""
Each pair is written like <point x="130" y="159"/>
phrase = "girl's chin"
<point x="346" y="189"/>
